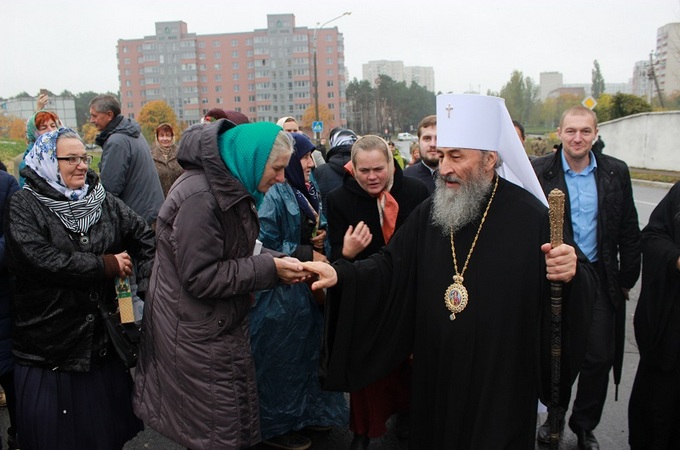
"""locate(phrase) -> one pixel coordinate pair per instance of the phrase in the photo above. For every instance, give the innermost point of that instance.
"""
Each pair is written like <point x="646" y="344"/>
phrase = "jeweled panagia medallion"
<point x="456" y="297"/>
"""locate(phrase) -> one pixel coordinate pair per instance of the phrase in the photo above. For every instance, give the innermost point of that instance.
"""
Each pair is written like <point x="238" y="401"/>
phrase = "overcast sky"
<point x="472" y="45"/>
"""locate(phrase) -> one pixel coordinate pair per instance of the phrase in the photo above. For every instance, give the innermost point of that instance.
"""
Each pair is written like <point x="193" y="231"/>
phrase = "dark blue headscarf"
<point x="306" y="194"/>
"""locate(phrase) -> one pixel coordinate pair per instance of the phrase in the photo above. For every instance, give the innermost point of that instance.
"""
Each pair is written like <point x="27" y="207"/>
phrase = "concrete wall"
<point x="646" y="141"/>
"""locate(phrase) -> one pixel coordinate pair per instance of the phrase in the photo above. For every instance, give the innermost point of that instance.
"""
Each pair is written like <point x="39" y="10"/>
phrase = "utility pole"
<point x="316" y="78"/>
<point x="651" y="74"/>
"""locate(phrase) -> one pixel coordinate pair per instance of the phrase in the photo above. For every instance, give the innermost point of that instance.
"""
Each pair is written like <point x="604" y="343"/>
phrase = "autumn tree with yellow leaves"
<point x="155" y="113"/>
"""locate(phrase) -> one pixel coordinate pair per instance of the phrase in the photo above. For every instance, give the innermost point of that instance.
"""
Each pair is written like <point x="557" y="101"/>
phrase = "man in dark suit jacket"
<point x="426" y="169"/>
<point x="599" y="209"/>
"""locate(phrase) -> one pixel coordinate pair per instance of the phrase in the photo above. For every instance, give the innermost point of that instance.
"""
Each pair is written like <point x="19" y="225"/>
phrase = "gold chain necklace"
<point x="456" y="296"/>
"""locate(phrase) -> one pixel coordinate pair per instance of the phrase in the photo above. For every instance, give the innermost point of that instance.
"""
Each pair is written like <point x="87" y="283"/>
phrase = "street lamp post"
<point x="316" y="78"/>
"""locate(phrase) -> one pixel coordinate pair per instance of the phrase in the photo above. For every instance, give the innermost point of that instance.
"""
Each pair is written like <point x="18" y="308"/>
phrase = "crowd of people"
<point x="278" y="289"/>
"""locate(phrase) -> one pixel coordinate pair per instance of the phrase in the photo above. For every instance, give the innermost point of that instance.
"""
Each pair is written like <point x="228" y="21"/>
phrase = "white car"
<point x="406" y="137"/>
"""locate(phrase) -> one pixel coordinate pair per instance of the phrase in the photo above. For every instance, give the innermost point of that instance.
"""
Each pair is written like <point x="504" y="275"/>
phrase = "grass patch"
<point x="655" y="175"/>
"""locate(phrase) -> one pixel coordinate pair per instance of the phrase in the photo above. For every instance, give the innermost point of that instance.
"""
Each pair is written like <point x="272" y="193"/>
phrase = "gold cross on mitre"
<point x="448" y="109"/>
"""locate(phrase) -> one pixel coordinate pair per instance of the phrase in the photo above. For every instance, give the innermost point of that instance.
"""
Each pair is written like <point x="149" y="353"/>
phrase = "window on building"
<point x="234" y="54"/>
<point x="216" y="43"/>
<point x="251" y="98"/>
<point x="128" y="83"/>
<point x="126" y="61"/>
<point x="249" y="41"/>
<point x="329" y="83"/>
<point x="202" y="67"/>
<point x="218" y="100"/>
<point x="129" y="93"/>
<point x="329" y="72"/>
<point x="329" y="49"/>
<point x="204" y="89"/>
<point x="237" y="99"/>
<point x="130" y="105"/>
<point x="331" y="106"/>
<point x="218" y="88"/>
<point x="125" y="49"/>
<point x="204" y="101"/>
<point x="204" y="79"/>
<point x="331" y="95"/>
<point x="217" y="55"/>
<point x="218" y="77"/>
<point x="218" y="66"/>
<point x="201" y="44"/>
<point x="234" y="65"/>
<point x="201" y="56"/>
<point x="235" y="76"/>
<point x="329" y="61"/>
<point x="329" y="38"/>
<point x="237" y="88"/>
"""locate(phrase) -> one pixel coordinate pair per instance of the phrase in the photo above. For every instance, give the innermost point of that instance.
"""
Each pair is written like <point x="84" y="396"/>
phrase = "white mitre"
<point x="482" y="122"/>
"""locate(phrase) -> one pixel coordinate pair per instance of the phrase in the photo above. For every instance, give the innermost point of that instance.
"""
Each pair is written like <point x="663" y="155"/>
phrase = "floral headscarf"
<point x="81" y="210"/>
<point x="42" y="158"/>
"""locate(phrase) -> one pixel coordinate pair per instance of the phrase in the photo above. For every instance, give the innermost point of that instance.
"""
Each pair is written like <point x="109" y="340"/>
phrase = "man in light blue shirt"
<point x="602" y="217"/>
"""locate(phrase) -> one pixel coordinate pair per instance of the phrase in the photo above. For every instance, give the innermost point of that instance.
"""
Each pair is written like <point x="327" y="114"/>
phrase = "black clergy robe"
<point x="653" y="411"/>
<point x="476" y="379"/>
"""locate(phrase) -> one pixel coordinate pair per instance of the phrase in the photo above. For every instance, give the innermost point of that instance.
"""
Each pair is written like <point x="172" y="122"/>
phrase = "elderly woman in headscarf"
<point x="66" y="241"/>
<point x="164" y="154"/>
<point x="39" y="123"/>
<point x="363" y="214"/>
<point x="286" y="322"/>
<point x="195" y="380"/>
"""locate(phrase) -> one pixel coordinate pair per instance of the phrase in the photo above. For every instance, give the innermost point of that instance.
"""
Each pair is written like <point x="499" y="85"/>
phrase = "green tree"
<point x="521" y="96"/>
<point x="597" y="88"/>
<point x="361" y="99"/>
<point x="82" y="101"/>
<point x="612" y="107"/>
<point x="153" y="114"/>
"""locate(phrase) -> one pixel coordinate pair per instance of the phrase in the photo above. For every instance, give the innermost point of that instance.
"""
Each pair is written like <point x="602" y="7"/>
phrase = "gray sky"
<point x="473" y="44"/>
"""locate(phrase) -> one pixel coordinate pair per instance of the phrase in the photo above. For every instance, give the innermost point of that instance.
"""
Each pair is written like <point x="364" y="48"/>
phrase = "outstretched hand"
<point x="328" y="277"/>
<point x="290" y="270"/>
<point x="560" y="262"/>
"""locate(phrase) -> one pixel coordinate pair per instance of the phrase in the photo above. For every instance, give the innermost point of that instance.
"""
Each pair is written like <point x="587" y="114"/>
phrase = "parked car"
<point x="406" y="137"/>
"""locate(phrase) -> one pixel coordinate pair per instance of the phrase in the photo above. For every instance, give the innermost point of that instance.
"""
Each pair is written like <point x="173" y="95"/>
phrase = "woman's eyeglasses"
<point x="75" y="160"/>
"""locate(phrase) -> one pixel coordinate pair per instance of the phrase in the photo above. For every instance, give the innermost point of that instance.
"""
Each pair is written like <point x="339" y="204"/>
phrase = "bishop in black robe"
<point x="476" y="379"/>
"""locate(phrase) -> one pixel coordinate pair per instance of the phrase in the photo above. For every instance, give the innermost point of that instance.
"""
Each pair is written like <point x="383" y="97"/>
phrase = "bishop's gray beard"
<point x="452" y="209"/>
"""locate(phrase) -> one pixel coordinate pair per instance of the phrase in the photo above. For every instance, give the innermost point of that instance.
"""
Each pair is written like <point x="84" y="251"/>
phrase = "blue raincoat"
<point x="286" y="326"/>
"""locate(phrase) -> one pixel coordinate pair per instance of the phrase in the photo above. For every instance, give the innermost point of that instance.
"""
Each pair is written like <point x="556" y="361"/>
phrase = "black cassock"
<point x="476" y="379"/>
<point x="653" y="411"/>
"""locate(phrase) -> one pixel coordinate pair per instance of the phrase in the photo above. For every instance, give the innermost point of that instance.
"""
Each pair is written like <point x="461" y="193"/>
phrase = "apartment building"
<point x="265" y="73"/>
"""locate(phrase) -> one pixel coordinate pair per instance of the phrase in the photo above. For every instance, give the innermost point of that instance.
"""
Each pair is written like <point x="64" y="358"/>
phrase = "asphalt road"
<point x="612" y="433"/>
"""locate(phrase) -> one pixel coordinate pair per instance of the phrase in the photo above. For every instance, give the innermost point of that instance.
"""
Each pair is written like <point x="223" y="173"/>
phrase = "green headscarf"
<point x="245" y="150"/>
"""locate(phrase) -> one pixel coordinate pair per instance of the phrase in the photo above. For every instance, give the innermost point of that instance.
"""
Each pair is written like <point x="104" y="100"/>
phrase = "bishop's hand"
<point x="560" y="262"/>
<point x="328" y="277"/>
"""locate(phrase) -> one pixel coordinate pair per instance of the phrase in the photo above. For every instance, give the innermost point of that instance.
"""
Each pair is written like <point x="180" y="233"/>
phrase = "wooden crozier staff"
<point x="556" y="205"/>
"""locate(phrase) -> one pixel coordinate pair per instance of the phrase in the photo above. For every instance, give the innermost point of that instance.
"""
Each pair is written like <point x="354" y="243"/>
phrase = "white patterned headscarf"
<point x="81" y="210"/>
<point x="42" y="158"/>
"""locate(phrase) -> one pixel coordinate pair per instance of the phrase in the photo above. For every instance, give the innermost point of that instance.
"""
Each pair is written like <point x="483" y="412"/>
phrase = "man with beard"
<point x="426" y="170"/>
<point x="463" y="287"/>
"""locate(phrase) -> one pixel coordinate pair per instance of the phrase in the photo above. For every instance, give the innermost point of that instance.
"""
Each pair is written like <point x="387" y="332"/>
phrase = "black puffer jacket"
<point x="329" y="176"/>
<point x="57" y="324"/>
